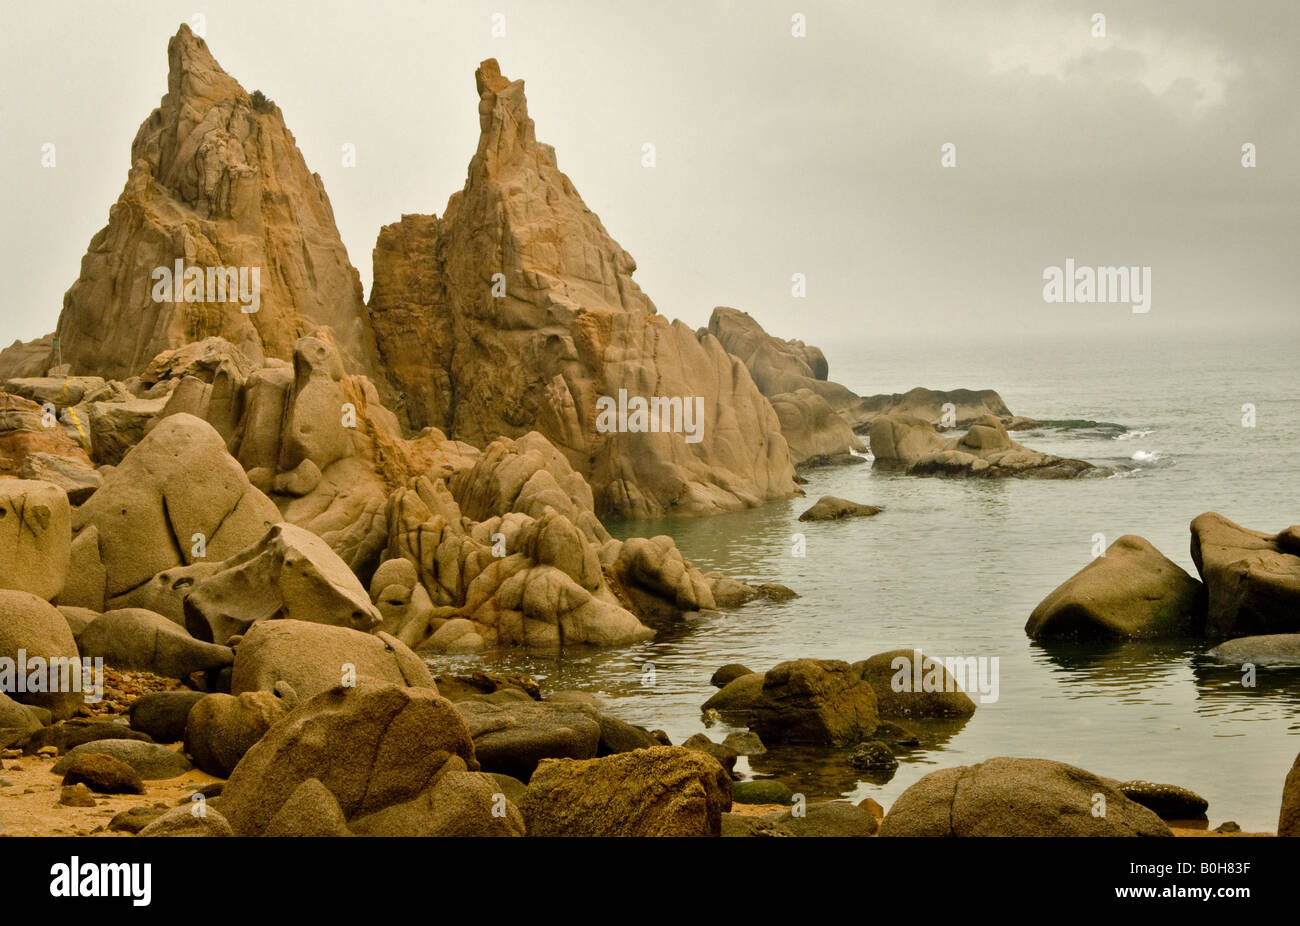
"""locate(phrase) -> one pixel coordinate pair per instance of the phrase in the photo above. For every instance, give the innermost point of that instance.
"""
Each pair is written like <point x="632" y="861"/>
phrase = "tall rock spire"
<point x="216" y="181"/>
<point x="528" y="308"/>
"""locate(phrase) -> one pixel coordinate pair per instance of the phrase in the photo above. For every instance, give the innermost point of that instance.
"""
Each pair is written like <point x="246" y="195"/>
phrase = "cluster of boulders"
<point x="914" y="445"/>
<point x="829" y="702"/>
<point x="287" y="491"/>
<point x="1247" y="594"/>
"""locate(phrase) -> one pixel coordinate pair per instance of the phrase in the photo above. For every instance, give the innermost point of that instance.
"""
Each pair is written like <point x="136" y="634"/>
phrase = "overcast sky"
<point x="776" y="155"/>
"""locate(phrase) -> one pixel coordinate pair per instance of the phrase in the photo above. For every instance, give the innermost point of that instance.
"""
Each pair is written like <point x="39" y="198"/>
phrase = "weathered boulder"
<point x="739" y="695"/>
<point x="163" y="714"/>
<point x="133" y="638"/>
<point x="150" y="760"/>
<point x="727" y="674"/>
<point x="1253" y="584"/>
<point x="221" y="728"/>
<point x="372" y="747"/>
<point x="289" y="574"/>
<point x="217" y="186"/>
<point x="35" y="537"/>
<point x="664" y="791"/>
<point x="547" y="321"/>
<point x="313" y="658"/>
<point x="199" y="820"/>
<point x="176" y="498"/>
<point x="1130" y="592"/>
<point x="17" y="722"/>
<point x="32" y="629"/>
<point x="908" y="683"/>
<point x="817" y="701"/>
<point x="117" y="426"/>
<point x="1017" y="797"/>
<point x="619" y="736"/>
<point x="66" y="735"/>
<point x="830" y="508"/>
<point x="102" y="773"/>
<point x="512" y="738"/>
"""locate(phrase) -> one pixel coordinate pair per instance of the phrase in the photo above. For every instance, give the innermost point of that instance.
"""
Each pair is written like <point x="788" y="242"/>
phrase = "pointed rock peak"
<point x="193" y="72"/>
<point x="506" y="132"/>
<point x="488" y="77"/>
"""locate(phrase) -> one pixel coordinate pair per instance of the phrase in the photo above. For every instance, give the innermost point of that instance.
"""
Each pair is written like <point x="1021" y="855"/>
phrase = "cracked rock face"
<point x="216" y="181"/>
<point x="529" y="312"/>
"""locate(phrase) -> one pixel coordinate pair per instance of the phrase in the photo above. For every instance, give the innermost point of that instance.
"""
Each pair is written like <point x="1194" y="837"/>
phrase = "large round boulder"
<point x="1132" y="592"/>
<point x="176" y="497"/>
<point x="1018" y="797"/>
<point x="372" y="747"/>
<point x="908" y="683"/>
<point x="816" y="701"/>
<point x="221" y="728"/>
<point x="33" y="629"/>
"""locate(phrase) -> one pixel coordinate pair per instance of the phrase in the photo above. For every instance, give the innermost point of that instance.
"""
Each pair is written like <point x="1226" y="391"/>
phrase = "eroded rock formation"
<point x="216" y="181"/>
<point x="528" y="311"/>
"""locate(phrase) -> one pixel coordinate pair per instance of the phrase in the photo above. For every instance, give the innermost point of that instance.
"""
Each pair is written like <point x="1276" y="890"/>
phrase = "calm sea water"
<point x="955" y="567"/>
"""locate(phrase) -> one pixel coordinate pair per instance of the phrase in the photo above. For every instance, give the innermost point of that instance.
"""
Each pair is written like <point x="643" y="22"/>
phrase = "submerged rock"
<point x="1170" y="802"/>
<point x="1274" y="649"/>
<point x="830" y="508"/>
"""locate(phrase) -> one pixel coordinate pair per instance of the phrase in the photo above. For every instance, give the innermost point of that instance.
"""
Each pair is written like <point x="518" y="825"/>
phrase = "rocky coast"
<point x="231" y="541"/>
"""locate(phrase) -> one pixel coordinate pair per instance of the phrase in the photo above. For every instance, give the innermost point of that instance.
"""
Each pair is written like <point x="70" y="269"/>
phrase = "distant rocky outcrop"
<point x="516" y="311"/>
<point x="946" y="408"/>
<point x="913" y="445"/>
<point x="816" y="416"/>
<point x="216" y="181"/>
<point x="793" y="375"/>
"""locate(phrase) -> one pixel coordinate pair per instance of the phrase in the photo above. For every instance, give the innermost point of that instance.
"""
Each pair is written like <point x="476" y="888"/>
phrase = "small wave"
<point x="1144" y="456"/>
<point x="1133" y="435"/>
